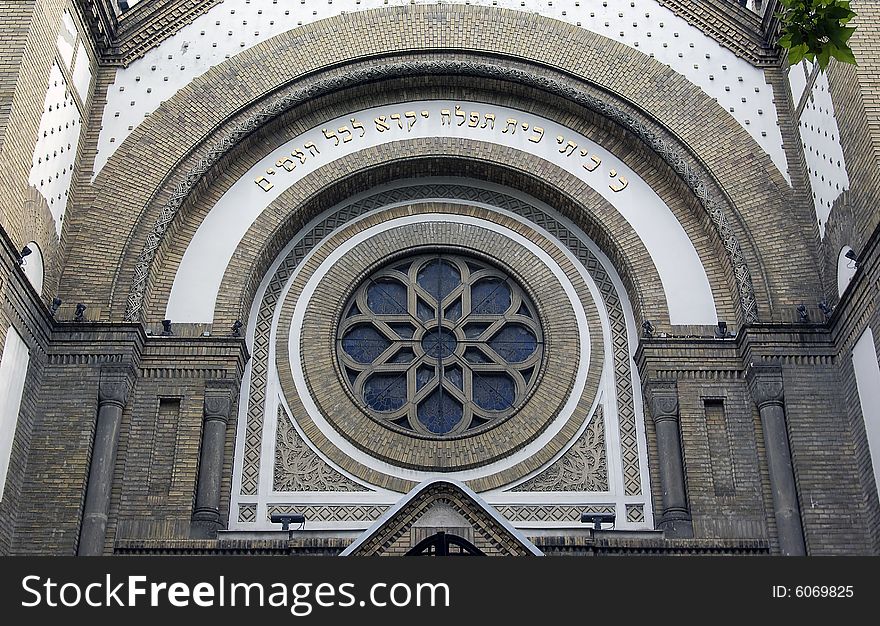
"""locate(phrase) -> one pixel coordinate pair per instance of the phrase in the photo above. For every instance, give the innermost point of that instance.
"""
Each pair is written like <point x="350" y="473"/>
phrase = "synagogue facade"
<point x="409" y="277"/>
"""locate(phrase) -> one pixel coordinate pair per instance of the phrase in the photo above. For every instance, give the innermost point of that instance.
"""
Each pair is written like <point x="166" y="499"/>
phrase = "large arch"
<point x="655" y="105"/>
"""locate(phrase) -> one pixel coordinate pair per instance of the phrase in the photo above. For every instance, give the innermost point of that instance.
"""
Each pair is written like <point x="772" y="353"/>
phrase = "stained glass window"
<point x="440" y="344"/>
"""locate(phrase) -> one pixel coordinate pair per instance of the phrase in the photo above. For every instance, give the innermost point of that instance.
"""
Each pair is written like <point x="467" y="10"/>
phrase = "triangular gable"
<point x="441" y="505"/>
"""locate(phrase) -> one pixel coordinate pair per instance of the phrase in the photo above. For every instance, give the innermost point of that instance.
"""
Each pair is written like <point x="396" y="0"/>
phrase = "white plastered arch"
<point x="685" y="282"/>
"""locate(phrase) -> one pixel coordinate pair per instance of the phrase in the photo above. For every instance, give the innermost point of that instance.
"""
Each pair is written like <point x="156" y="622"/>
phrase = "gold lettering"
<point x="458" y="113"/>
<point x="595" y="161"/>
<point x="331" y="135"/>
<point x="381" y="124"/>
<point x="569" y="148"/>
<point x="287" y="163"/>
<point x="623" y="184"/>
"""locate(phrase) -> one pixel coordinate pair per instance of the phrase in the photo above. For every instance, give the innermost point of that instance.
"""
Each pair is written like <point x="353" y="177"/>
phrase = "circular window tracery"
<point x="440" y="345"/>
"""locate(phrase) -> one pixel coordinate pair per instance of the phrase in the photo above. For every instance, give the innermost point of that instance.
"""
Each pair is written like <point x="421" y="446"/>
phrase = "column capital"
<point x="765" y="384"/>
<point x="663" y="396"/>
<point x="115" y="385"/>
<point x="218" y="400"/>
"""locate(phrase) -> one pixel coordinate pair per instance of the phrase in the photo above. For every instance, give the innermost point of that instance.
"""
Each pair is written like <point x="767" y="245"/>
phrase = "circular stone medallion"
<point x="420" y="340"/>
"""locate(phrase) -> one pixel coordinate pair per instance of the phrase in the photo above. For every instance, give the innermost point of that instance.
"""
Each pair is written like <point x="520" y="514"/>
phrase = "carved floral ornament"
<point x="767" y="390"/>
<point x="115" y="385"/>
<point x="665" y="405"/>
<point x="217" y="405"/>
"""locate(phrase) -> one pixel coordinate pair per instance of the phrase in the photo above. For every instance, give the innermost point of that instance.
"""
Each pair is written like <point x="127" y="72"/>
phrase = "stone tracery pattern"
<point x="299" y="468"/>
<point x="635" y="513"/>
<point x="247" y="513"/>
<point x="623" y="381"/>
<point x="280" y="104"/>
<point x="583" y="467"/>
<point x="331" y="512"/>
<point x="549" y="512"/>
<point x="440" y="344"/>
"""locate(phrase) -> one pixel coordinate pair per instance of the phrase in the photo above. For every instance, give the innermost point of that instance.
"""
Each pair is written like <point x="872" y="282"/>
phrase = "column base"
<point x="205" y="524"/>
<point x="676" y="524"/>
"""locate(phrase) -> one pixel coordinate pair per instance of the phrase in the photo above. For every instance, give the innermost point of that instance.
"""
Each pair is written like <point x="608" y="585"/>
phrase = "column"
<point x="675" y="518"/>
<point x="206" y="514"/>
<point x="765" y="382"/>
<point x="113" y="390"/>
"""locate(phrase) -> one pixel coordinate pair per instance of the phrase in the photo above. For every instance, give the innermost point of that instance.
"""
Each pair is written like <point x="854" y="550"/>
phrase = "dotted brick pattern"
<point x="820" y="138"/>
<point x="55" y="151"/>
<point x="732" y="160"/>
<point x="31" y="63"/>
<point x="237" y="25"/>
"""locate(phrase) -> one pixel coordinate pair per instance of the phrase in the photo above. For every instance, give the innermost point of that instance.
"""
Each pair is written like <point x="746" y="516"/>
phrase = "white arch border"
<point x="689" y="297"/>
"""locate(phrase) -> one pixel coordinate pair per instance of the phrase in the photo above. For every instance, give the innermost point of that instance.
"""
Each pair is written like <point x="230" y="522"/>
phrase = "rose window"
<point x="440" y="345"/>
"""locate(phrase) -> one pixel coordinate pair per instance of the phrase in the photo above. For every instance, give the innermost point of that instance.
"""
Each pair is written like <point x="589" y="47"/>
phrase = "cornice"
<point x="736" y="28"/>
<point x="123" y="39"/>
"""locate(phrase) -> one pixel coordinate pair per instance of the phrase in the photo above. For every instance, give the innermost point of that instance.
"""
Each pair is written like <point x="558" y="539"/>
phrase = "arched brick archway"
<point x="171" y="150"/>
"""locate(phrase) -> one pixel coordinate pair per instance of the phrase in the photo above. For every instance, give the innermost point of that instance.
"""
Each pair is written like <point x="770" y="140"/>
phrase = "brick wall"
<point x="29" y="34"/>
<point x="20" y="309"/>
<point x="854" y="222"/>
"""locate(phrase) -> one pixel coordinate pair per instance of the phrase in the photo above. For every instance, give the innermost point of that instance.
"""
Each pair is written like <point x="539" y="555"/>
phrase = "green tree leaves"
<point x="816" y="30"/>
